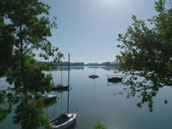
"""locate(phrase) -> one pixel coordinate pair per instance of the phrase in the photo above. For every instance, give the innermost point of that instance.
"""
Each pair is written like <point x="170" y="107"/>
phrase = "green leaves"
<point x="99" y="126"/>
<point x="145" y="48"/>
<point x="31" y="28"/>
<point x="24" y="28"/>
<point x="160" y="5"/>
<point x="146" y="52"/>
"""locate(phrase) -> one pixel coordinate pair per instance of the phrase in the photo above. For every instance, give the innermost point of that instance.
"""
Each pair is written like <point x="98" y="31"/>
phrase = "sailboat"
<point x="94" y="76"/>
<point x="63" y="121"/>
<point x="66" y="119"/>
<point x="62" y="87"/>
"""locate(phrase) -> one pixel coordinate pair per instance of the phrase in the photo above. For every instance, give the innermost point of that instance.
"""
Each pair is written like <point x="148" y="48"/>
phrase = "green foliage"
<point x="6" y="46"/>
<point x="30" y="27"/>
<point x="149" y="49"/>
<point x="147" y="52"/>
<point x="5" y="105"/>
<point x="24" y="28"/>
<point x="99" y="126"/>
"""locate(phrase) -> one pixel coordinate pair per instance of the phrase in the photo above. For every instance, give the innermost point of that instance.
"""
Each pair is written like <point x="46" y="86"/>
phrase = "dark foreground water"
<point x="95" y="102"/>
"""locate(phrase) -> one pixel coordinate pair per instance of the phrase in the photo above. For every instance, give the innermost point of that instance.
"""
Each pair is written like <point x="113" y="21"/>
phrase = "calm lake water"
<point x="95" y="102"/>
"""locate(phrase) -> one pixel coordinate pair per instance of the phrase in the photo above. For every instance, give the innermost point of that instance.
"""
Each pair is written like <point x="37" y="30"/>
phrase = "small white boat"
<point x="63" y="121"/>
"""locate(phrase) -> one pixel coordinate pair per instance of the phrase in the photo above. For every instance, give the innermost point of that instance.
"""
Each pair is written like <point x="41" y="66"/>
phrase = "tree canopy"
<point x="146" y="51"/>
<point x="24" y="28"/>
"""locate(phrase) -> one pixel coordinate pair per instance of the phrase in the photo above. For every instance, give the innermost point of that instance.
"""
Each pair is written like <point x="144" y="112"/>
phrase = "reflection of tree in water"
<point x="143" y="88"/>
<point x="6" y="104"/>
<point x="30" y="114"/>
<point x="26" y="95"/>
<point x="65" y="68"/>
<point x="108" y="68"/>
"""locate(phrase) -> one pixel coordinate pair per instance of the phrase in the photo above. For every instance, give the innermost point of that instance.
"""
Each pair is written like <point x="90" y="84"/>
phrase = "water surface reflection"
<point x="96" y="102"/>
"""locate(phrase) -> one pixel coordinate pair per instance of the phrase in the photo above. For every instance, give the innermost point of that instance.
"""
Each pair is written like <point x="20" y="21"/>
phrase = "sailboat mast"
<point x="94" y="71"/>
<point x="61" y="73"/>
<point x="68" y="102"/>
<point x="69" y="69"/>
<point x="68" y="81"/>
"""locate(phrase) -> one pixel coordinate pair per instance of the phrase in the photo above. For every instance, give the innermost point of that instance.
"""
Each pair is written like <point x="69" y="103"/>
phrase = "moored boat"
<point x="63" y="121"/>
<point x="93" y="76"/>
<point x="49" y="98"/>
<point x="60" y="88"/>
<point x="115" y="78"/>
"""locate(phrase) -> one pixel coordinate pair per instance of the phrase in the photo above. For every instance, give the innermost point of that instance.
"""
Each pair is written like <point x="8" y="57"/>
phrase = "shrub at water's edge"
<point x="99" y="126"/>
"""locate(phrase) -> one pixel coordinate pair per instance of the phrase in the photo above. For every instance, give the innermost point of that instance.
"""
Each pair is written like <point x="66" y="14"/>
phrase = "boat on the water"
<point x="64" y="121"/>
<point x="60" y="88"/>
<point x="93" y="76"/>
<point x="49" y="98"/>
<point x="115" y="78"/>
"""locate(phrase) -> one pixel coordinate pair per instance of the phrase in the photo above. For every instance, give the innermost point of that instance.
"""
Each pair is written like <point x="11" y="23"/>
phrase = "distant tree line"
<point x="77" y="63"/>
<point x="102" y="64"/>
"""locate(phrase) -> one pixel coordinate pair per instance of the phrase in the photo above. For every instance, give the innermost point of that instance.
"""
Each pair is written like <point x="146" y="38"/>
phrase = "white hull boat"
<point x="63" y="121"/>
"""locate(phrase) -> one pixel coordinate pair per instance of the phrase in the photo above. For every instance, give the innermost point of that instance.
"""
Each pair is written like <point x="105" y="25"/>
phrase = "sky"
<point x="89" y="29"/>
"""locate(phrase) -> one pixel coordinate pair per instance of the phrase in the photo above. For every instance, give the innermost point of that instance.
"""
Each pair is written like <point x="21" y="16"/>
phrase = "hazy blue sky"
<point x="88" y="29"/>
